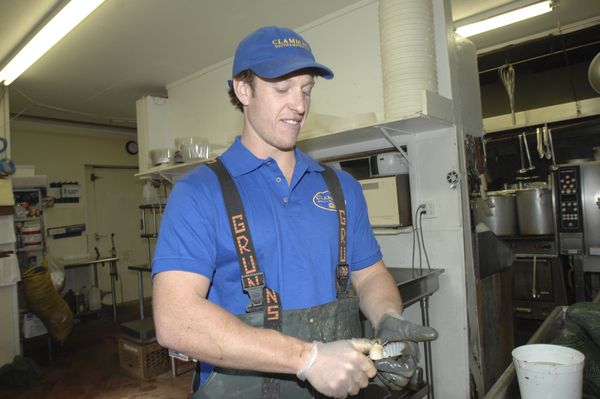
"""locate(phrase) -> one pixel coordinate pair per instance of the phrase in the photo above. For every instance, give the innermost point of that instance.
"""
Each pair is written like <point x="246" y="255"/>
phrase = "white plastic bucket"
<point x="549" y="371"/>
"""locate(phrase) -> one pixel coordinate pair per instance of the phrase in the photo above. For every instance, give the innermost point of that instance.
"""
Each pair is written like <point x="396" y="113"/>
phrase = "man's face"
<point x="276" y="109"/>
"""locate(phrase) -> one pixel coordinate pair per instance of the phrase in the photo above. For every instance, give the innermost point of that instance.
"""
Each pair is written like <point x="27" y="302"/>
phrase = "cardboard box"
<point x="33" y="326"/>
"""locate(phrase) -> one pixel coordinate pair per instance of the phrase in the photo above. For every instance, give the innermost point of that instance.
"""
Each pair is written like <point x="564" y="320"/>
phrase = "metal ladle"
<point x="531" y="167"/>
<point x="521" y="171"/>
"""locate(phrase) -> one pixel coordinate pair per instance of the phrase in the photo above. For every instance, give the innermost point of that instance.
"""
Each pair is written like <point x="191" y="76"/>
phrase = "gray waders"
<point x="329" y="322"/>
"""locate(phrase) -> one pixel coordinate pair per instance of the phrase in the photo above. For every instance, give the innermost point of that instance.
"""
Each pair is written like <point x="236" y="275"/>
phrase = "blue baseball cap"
<point x="272" y="52"/>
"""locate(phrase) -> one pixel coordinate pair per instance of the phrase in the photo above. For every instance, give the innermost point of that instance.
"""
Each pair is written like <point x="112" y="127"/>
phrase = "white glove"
<point x="339" y="368"/>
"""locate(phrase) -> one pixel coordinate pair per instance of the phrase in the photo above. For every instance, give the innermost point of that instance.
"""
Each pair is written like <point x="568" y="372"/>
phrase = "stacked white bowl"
<point x="408" y="58"/>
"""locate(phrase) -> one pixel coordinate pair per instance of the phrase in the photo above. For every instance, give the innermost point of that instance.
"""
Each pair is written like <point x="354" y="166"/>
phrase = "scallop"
<point x="376" y="353"/>
<point x="391" y="349"/>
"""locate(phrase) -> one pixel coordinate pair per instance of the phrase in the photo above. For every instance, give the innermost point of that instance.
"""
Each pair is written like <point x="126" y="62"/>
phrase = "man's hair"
<point x="246" y="76"/>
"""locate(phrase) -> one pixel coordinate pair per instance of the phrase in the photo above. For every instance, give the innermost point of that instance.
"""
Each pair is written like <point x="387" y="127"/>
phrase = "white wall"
<point x="348" y="43"/>
<point x="434" y="156"/>
<point x="199" y="105"/>
<point x="62" y="153"/>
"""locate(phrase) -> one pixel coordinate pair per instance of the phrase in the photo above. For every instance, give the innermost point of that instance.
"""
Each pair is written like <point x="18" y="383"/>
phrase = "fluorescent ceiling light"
<point x="71" y="15"/>
<point x="505" y="19"/>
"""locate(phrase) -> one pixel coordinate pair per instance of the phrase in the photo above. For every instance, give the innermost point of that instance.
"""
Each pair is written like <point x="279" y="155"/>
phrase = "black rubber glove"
<point x="395" y="373"/>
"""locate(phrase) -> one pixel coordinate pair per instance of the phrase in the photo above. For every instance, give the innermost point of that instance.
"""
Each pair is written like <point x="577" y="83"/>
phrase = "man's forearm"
<point x="192" y="325"/>
<point x="377" y="291"/>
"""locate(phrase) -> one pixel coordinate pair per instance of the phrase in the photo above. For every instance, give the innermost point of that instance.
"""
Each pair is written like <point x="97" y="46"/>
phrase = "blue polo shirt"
<point x="293" y="227"/>
<point x="294" y="230"/>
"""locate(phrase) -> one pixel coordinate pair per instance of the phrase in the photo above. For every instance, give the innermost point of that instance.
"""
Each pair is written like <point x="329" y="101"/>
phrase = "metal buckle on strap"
<point x="253" y="284"/>
<point x="342" y="275"/>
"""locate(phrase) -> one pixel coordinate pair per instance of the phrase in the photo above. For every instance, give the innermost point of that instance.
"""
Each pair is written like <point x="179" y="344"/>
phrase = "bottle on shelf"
<point x="95" y="300"/>
<point x="150" y="195"/>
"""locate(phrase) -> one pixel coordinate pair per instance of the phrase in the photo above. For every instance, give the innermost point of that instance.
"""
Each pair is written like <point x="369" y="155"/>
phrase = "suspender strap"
<point x="342" y="271"/>
<point x="253" y="280"/>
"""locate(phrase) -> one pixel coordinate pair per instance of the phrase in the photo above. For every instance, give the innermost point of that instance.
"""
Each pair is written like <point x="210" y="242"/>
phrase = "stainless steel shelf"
<point x="322" y="140"/>
<point x="39" y="219"/>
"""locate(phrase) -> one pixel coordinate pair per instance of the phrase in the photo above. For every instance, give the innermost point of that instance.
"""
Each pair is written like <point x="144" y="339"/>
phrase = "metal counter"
<point x="112" y="262"/>
<point x="414" y="286"/>
<point x="507" y="386"/>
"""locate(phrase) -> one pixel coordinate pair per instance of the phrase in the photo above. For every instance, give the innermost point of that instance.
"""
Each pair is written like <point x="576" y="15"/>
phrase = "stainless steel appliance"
<point x="577" y="200"/>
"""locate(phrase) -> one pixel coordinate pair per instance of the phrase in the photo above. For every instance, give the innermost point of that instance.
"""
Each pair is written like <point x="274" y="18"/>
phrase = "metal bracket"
<point x="166" y="178"/>
<point x="389" y="138"/>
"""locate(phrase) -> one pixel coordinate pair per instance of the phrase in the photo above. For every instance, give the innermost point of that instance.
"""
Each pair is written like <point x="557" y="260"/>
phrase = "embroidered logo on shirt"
<point x="324" y="200"/>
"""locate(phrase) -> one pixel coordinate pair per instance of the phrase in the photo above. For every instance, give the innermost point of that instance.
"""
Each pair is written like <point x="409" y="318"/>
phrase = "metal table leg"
<point x="427" y="345"/>
<point x="113" y="274"/>
<point x="95" y="270"/>
<point x="141" y="289"/>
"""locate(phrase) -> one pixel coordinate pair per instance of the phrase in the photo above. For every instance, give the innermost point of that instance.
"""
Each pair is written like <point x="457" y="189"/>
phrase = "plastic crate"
<point x="145" y="361"/>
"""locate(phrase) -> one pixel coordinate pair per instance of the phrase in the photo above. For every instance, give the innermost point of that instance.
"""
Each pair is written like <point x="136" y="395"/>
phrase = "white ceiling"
<point x="130" y="48"/>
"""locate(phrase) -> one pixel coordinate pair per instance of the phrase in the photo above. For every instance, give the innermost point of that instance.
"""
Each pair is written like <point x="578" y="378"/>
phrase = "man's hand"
<point x="339" y="368"/>
<point x="395" y="374"/>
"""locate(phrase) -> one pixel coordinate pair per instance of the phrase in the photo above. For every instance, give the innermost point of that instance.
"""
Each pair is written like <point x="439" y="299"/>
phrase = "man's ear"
<point x="242" y="91"/>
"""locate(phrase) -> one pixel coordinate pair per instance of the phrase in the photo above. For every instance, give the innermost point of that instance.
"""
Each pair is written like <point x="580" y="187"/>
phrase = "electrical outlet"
<point x="430" y="209"/>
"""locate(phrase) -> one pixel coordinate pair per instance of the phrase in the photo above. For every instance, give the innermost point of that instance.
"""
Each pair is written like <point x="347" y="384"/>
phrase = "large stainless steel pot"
<point x="502" y="218"/>
<point x="534" y="211"/>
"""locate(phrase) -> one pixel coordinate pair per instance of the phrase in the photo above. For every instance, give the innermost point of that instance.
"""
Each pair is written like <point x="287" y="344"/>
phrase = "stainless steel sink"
<point x="415" y="284"/>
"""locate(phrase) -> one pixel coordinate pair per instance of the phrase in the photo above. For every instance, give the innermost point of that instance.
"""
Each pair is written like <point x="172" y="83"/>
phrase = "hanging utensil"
<point x="507" y="75"/>
<point x="534" y="292"/>
<point x="483" y="192"/>
<point x="473" y="180"/>
<point x="540" y="143"/>
<point x="547" y="142"/>
<point x="478" y="154"/>
<point x="521" y="171"/>
<point x="486" y="171"/>
<point x="551" y="147"/>
<point x="472" y="174"/>
<point x="531" y="167"/>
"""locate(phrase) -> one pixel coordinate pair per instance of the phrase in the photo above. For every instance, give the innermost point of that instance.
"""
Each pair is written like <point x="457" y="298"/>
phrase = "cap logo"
<point x="278" y="43"/>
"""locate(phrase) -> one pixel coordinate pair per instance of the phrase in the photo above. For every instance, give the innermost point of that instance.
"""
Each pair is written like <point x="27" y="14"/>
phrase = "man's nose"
<point x="297" y="101"/>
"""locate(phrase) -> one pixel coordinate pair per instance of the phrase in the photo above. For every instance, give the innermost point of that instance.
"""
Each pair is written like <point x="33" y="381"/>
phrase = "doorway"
<point x="114" y="195"/>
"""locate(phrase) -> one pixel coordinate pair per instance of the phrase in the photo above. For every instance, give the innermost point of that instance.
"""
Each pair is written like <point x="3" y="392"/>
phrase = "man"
<point x="304" y="238"/>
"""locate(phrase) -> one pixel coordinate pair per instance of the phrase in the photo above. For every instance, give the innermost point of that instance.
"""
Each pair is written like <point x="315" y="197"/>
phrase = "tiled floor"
<point x="87" y="366"/>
